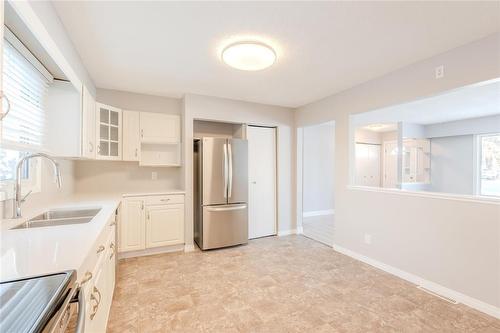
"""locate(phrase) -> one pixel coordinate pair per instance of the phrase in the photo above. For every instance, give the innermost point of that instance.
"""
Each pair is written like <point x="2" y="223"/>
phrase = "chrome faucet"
<point x="18" y="199"/>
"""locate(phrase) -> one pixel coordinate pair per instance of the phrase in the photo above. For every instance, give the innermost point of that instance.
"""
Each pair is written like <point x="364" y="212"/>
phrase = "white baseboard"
<point x="300" y="230"/>
<point x="189" y="248"/>
<point x="432" y="286"/>
<point x="287" y="232"/>
<point x="149" y="252"/>
<point x="318" y="213"/>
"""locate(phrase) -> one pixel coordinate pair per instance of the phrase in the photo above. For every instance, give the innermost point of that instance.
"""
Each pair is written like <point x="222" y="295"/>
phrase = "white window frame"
<point x="477" y="164"/>
<point x="33" y="184"/>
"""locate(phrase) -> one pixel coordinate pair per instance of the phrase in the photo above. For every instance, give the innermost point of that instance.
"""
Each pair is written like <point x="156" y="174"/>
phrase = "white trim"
<point x="189" y="248"/>
<point x="300" y="230"/>
<point x="148" y="252"/>
<point x="319" y="213"/>
<point x="429" y="285"/>
<point x="434" y="195"/>
<point x="19" y="46"/>
<point x="287" y="232"/>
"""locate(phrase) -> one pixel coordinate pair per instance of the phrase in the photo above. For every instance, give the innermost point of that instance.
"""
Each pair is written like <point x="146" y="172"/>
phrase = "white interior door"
<point x="262" y="181"/>
<point x="390" y="179"/>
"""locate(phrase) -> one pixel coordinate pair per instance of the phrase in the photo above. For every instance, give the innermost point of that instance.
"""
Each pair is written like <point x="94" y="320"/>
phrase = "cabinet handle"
<point x="91" y="147"/>
<point x="112" y="247"/>
<point x="142" y="133"/>
<point x="4" y="113"/>
<point x="86" y="278"/>
<point x="98" y="149"/>
<point x="98" y="301"/>
<point x="165" y="200"/>
<point x="135" y="152"/>
<point x="112" y="223"/>
<point x="142" y="205"/>
<point x="100" y="248"/>
<point x="149" y="215"/>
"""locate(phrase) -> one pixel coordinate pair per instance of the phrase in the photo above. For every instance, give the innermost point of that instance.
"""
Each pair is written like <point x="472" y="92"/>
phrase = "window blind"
<point x="26" y="89"/>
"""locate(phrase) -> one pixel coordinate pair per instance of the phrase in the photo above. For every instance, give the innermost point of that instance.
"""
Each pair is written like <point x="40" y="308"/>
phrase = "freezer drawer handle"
<point x="226" y="166"/>
<point x="225" y="209"/>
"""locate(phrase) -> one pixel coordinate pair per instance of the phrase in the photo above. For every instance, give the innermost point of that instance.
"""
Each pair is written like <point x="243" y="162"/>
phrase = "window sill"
<point x="435" y="195"/>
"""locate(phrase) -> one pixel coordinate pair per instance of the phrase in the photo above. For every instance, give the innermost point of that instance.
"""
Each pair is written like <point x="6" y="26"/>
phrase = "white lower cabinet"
<point x="164" y="225"/>
<point x="131" y="227"/>
<point x="151" y="221"/>
<point x="98" y="281"/>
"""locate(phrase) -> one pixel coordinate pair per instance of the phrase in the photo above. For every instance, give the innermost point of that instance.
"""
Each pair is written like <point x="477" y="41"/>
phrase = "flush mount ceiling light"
<point x="249" y="56"/>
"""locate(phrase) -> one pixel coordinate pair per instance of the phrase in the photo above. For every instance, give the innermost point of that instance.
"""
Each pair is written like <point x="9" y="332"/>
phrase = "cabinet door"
<point x="88" y="124"/>
<point x="109" y="132"/>
<point x="131" y="137"/>
<point x="164" y="225"/>
<point x="159" y="128"/>
<point x="132" y="226"/>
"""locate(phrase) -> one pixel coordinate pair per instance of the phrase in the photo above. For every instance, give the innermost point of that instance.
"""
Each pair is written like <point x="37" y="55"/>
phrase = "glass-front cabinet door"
<point x="109" y="132"/>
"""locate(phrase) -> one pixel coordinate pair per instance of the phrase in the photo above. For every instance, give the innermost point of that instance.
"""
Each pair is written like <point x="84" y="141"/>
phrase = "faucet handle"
<point x="26" y="195"/>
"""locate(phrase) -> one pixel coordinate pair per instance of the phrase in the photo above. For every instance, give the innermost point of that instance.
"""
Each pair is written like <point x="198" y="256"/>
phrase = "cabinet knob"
<point x="100" y="248"/>
<point x="86" y="278"/>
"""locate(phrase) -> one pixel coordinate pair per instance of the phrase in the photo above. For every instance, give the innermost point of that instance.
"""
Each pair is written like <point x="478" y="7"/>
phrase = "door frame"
<point x="276" y="174"/>
<point x="299" y="167"/>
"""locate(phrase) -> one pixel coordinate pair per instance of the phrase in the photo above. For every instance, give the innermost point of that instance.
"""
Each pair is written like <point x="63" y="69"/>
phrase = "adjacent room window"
<point x="489" y="164"/>
<point x="26" y="83"/>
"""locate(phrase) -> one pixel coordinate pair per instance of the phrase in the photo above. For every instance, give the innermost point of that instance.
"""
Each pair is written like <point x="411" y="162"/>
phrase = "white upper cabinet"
<point x="109" y="132"/>
<point x="131" y="137"/>
<point x="159" y="128"/>
<point x="88" y="125"/>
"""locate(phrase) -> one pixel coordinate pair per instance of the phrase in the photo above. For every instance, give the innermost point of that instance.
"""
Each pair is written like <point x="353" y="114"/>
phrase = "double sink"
<point x="60" y="217"/>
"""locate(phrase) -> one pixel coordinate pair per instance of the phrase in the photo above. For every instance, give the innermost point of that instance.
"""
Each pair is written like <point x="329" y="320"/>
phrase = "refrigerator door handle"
<point x="225" y="170"/>
<point x="230" y="175"/>
<point x="225" y="209"/>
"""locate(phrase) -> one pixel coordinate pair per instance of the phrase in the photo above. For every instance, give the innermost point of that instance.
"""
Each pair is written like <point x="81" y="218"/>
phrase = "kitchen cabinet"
<point x="132" y="228"/>
<point x="151" y="221"/>
<point x="164" y="225"/>
<point x="98" y="281"/>
<point x="109" y="132"/>
<point x="416" y="161"/>
<point x="88" y="125"/>
<point x="158" y="128"/>
<point x="131" y="137"/>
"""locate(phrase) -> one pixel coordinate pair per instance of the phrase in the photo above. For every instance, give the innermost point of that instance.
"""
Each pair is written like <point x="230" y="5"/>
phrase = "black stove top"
<point x="26" y="305"/>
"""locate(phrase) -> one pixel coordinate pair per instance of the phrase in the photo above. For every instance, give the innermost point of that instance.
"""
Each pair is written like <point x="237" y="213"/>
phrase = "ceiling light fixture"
<point x="249" y="56"/>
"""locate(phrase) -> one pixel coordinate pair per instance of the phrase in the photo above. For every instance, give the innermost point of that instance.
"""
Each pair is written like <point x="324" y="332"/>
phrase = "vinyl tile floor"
<point x="277" y="284"/>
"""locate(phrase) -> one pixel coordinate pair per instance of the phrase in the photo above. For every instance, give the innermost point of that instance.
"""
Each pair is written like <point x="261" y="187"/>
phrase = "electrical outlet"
<point x="439" y="72"/>
<point x="368" y="239"/>
<point x="154" y="175"/>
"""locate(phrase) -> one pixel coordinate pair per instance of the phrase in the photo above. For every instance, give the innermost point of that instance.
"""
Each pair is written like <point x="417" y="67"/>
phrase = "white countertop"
<point x="154" y="193"/>
<point x="36" y="251"/>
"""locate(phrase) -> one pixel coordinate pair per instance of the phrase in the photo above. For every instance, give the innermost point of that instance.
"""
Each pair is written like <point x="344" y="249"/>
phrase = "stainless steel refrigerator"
<point x="220" y="192"/>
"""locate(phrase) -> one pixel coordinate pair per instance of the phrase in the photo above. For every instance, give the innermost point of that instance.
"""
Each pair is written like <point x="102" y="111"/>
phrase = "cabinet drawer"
<point x="164" y="199"/>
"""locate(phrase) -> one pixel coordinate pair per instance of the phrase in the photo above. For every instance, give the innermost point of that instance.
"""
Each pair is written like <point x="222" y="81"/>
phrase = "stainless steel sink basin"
<point x="66" y="214"/>
<point x="60" y="217"/>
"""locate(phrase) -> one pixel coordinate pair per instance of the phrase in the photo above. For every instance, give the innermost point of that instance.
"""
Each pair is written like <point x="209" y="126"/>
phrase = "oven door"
<point x="76" y="320"/>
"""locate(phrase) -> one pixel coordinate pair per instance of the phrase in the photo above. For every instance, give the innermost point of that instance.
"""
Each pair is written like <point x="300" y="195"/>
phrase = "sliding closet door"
<point x="262" y="181"/>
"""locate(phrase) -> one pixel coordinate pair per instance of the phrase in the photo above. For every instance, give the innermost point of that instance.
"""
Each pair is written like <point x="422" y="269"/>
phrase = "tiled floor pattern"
<point x="286" y="284"/>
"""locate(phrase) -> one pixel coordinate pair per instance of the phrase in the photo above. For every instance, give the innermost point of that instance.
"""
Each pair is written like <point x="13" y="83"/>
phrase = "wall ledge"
<point x="434" y="195"/>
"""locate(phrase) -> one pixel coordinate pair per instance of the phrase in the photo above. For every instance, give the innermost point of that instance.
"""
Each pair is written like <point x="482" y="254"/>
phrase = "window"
<point x="26" y="83"/>
<point x="489" y="165"/>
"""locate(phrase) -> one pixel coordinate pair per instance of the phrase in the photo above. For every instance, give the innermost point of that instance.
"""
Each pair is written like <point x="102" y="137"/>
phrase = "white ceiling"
<point x="172" y="48"/>
<point x="475" y="101"/>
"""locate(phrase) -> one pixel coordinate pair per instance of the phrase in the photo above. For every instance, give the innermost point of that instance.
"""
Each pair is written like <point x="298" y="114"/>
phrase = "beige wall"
<point x="453" y="243"/>
<point x="116" y="177"/>
<point x="219" y="109"/>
